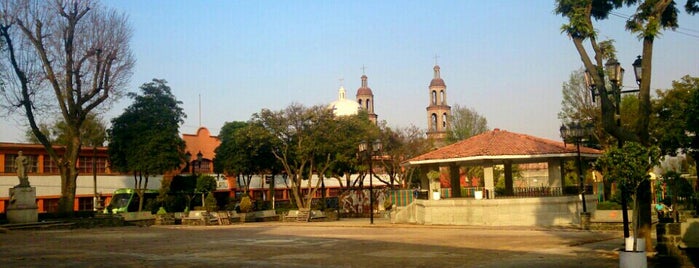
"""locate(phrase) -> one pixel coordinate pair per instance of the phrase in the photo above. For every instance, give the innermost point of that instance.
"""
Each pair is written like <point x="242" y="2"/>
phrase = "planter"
<point x="632" y="259"/>
<point x="478" y="194"/>
<point x="436" y="195"/>
<point x="640" y="244"/>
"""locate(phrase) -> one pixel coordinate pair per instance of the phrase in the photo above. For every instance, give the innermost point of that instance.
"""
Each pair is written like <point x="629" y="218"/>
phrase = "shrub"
<point x="245" y="204"/>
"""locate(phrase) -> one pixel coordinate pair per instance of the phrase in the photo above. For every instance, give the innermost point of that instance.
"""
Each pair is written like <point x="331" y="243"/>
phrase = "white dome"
<point x="343" y="106"/>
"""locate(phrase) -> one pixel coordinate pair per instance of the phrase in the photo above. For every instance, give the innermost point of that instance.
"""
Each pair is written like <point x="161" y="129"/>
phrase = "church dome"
<point x="342" y="106"/>
<point x="364" y="90"/>
<point x="437" y="81"/>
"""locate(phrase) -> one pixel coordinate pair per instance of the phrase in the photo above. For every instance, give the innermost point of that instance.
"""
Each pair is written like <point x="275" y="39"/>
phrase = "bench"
<point x="233" y="216"/>
<point x="266" y="215"/>
<point x="291" y="215"/>
<point x="199" y="217"/>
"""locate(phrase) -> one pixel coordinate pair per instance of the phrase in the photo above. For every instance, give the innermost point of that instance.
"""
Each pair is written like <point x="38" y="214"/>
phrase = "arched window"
<point x="434" y="97"/>
<point x="368" y="104"/>
<point x="444" y="121"/>
<point x="442" y="97"/>
<point x="433" y="124"/>
<point x="360" y="102"/>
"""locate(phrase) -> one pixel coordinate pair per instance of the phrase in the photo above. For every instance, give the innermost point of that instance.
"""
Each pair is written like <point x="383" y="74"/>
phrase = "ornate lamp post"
<point x="369" y="150"/>
<point x="576" y="132"/>
<point x="199" y="158"/>
<point x="188" y="157"/>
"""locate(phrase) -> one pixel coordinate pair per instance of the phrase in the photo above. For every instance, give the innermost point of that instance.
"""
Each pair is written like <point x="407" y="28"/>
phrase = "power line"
<point x="679" y="30"/>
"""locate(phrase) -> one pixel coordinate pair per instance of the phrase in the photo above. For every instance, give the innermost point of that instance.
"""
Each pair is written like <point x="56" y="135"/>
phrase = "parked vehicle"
<point x="126" y="200"/>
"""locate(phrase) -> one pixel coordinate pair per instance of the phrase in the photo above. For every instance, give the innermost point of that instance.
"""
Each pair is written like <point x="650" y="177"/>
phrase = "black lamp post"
<point x="638" y="69"/>
<point x="369" y="149"/>
<point x="199" y="158"/>
<point x="576" y="132"/>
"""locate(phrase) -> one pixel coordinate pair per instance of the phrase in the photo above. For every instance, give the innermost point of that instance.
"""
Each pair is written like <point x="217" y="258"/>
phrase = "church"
<point x="438" y="111"/>
<point x="365" y="100"/>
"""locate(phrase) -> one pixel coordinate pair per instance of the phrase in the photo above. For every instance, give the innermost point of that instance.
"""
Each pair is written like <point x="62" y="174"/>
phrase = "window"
<point x="51" y="205"/>
<point x="10" y="163"/>
<point x="442" y="97"/>
<point x="444" y="120"/>
<point x="203" y="167"/>
<point x="50" y="166"/>
<point x="85" y="203"/>
<point x="85" y="164"/>
<point x="434" y="97"/>
<point x="433" y="124"/>
<point x="368" y="104"/>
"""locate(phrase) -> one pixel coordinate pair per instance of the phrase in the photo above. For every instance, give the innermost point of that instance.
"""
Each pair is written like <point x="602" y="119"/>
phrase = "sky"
<point x="226" y="60"/>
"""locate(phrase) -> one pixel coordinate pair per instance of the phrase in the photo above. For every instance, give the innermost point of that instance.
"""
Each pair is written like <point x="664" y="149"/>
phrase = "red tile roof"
<point x="501" y="144"/>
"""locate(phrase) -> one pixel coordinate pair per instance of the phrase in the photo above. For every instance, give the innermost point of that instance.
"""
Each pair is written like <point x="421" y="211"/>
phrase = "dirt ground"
<point x="345" y="243"/>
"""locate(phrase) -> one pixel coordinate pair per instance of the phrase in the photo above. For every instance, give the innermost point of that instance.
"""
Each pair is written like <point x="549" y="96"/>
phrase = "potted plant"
<point x="433" y="176"/>
<point x="629" y="167"/>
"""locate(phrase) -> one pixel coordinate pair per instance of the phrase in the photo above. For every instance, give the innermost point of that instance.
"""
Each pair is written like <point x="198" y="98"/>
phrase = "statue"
<point x="21" y="165"/>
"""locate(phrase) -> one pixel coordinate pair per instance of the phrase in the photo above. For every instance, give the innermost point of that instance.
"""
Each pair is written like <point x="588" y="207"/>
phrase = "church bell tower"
<point x="438" y="112"/>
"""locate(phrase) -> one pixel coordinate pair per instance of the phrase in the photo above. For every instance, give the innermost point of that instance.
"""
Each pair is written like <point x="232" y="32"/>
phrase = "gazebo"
<point x="489" y="149"/>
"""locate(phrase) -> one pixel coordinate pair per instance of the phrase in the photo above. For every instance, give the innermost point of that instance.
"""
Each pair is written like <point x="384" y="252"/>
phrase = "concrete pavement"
<point x="344" y="243"/>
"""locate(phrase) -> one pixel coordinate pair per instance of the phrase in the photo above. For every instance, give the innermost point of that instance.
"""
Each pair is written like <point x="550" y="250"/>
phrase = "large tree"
<point x="648" y="21"/>
<point x="465" y="123"/>
<point x="400" y="145"/>
<point x="245" y="150"/>
<point x="67" y="58"/>
<point x="145" y="139"/>
<point x="306" y="141"/>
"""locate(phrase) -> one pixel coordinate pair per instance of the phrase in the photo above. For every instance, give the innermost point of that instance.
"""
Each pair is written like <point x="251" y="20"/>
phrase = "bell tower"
<point x="365" y="98"/>
<point x="438" y="112"/>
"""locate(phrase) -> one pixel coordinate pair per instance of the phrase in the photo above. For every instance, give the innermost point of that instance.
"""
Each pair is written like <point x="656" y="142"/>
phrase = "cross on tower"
<point x="363" y="69"/>
<point x="435" y="59"/>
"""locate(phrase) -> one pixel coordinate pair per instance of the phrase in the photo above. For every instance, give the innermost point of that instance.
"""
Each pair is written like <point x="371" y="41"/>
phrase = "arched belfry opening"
<point x="438" y="111"/>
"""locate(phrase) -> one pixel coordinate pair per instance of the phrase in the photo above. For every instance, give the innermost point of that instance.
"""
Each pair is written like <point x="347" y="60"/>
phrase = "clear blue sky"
<point x="505" y="59"/>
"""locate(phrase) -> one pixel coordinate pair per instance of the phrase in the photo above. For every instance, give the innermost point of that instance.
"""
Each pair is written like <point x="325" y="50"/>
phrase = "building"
<point x="365" y="100"/>
<point x="43" y="174"/>
<point x="438" y="111"/>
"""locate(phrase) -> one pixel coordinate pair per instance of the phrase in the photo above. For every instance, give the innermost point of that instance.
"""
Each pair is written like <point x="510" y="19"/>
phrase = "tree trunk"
<point x="69" y="175"/>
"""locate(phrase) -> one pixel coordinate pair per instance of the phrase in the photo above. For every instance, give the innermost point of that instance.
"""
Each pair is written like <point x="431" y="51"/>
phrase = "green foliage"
<point x="465" y="123"/>
<point x="608" y="205"/>
<point x="205" y="184"/>
<point x="93" y="132"/>
<point x="629" y="166"/>
<point x="245" y="204"/>
<point x="211" y="204"/>
<point x="145" y="138"/>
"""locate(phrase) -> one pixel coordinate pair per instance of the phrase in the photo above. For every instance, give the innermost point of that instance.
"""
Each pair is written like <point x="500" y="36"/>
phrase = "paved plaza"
<point x="345" y="243"/>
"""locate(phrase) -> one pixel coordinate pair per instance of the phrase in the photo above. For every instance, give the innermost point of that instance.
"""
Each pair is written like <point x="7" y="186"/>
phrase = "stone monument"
<point x="22" y="207"/>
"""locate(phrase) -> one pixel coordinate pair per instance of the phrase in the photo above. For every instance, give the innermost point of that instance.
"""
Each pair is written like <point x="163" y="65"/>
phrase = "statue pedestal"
<point x="22" y="206"/>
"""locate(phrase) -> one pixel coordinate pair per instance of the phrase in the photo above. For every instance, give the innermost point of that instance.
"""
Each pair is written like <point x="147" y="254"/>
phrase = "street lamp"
<point x="199" y="158"/>
<point x="576" y="132"/>
<point x="370" y="150"/>
<point x="638" y="69"/>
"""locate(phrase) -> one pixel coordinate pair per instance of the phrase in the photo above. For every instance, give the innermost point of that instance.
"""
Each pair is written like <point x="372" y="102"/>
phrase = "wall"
<point x="544" y="211"/>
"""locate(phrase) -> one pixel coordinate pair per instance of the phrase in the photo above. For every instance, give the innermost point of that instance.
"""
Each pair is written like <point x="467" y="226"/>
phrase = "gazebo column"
<point x="509" y="190"/>
<point x="455" y="180"/>
<point x="489" y="181"/>
<point x="555" y="173"/>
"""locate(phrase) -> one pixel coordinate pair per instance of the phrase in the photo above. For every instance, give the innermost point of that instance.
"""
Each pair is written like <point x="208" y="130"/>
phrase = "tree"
<point x="301" y="141"/>
<point x="671" y="112"/>
<point x="465" y="123"/>
<point x="145" y="140"/>
<point x="650" y="18"/>
<point x="400" y="145"/>
<point x="63" y="57"/>
<point x="94" y="132"/>
<point x="629" y="166"/>
<point x="245" y="150"/>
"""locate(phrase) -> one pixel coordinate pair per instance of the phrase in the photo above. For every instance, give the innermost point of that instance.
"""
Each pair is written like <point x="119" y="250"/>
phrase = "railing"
<point x="541" y="191"/>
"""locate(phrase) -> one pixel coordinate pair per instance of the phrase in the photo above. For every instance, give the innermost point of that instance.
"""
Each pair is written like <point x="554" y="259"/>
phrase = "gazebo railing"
<point x="542" y="191"/>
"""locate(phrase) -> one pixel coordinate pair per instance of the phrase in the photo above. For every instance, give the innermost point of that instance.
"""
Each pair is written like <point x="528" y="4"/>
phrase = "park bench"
<point x="233" y="216"/>
<point x="199" y="217"/>
<point x="291" y="215"/>
<point x="266" y="215"/>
